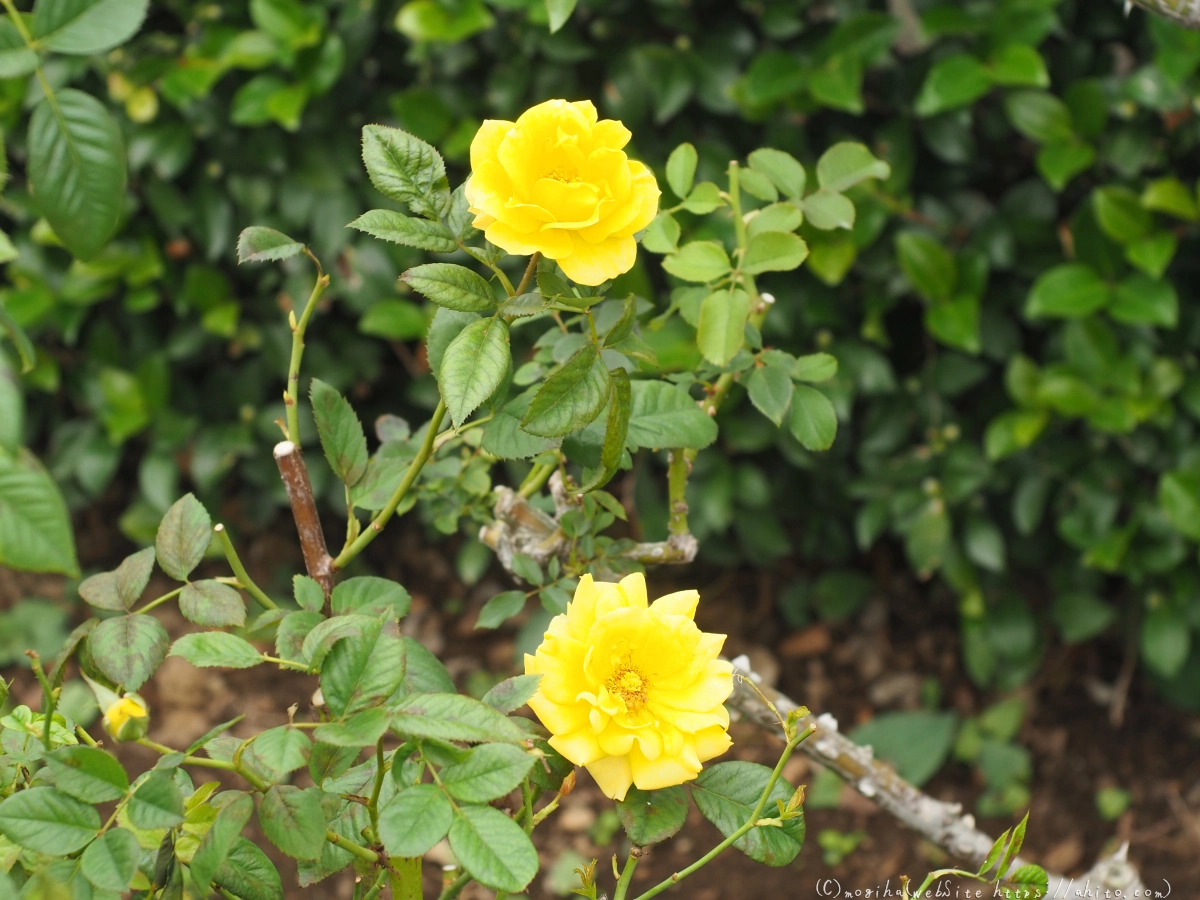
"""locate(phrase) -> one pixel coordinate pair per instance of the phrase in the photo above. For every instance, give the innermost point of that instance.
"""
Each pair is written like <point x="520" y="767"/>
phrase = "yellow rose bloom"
<point x="633" y="691"/>
<point x="557" y="182"/>
<point x="126" y="719"/>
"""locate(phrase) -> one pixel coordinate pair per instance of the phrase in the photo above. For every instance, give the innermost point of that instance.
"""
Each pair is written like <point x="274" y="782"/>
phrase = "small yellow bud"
<point x="120" y="88"/>
<point x="142" y="105"/>
<point x="127" y="719"/>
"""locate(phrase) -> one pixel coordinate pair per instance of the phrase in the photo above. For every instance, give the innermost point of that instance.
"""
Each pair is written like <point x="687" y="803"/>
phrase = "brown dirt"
<point x="880" y="656"/>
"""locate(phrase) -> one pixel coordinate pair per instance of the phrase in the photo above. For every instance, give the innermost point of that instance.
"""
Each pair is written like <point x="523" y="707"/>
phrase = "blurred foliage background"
<point x="1013" y="312"/>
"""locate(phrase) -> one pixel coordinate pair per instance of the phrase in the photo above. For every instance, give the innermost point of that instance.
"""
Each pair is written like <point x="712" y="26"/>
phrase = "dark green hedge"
<point x="1013" y="312"/>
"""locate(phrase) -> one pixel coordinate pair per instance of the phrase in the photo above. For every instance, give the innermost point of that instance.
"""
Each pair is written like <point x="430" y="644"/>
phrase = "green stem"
<point x="159" y="601"/>
<point x="85" y="737"/>
<point x="51" y="696"/>
<point x="744" y="829"/>
<point x="291" y="393"/>
<point x="406" y="878"/>
<point x="380" y="771"/>
<point x="454" y="888"/>
<point x="530" y="271"/>
<point x="288" y="664"/>
<point x="677" y="477"/>
<point x="626" y="875"/>
<point x="377" y="887"/>
<point x="414" y="469"/>
<point x="239" y="570"/>
<point x="527" y="804"/>
<point x="363" y="853"/>
<point x="536" y="479"/>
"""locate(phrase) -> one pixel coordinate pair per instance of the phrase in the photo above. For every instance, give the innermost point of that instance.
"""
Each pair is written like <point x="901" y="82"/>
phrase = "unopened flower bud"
<point x="127" y="719"/>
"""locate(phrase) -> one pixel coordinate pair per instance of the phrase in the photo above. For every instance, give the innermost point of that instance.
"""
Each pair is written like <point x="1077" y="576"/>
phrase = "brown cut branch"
<point x="294" y="473"/>
<point x="943" y="823"/>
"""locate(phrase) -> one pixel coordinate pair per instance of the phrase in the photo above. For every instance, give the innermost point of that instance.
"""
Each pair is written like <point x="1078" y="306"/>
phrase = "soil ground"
<point x="854" y="670"/>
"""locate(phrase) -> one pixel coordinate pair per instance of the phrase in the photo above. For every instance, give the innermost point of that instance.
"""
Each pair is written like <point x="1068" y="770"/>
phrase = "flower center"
<point x="628" y="683"/>
<point x="564" y="173"/>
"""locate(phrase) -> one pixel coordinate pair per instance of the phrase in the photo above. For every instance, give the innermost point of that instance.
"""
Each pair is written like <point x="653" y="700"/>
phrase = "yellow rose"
<point x="557" y="182"/>
<point x="635" y="692"/>
<point x="127" y="718"/>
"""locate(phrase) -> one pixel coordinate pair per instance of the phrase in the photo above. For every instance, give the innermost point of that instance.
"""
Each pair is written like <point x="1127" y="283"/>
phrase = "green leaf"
<point x="1081" y="617"/>
<point x="653" y="816"/>
<point x="362" y="671"/>
<point x="218" y="841"/>
<point x="319" y="641"/>
<point x="681" y="169"/>
<point x="39" y="818"/>
<point x="292" y="819"/>
<point x="503" y="436"/>
<point x="183" y="537"/>
<point x="215" y="648"/>
<point x="512" y="693"/>
<point x="616" y="429"/>
<point x="309" y="593"/>
<point x="411" y="232"/>
<point x="1171" y="196"/>
<point x="776" y="217"/>
<point x="1153" y="253"/>
<point x="704" y="198"/>
<point x="341" y="433"/>
<point x="500" y="608"/>
<point x="455" y="287"/>
<point x="488" y="772"/>
<point x="212" y="603"/>
<point x="394" y="320"/>
<point x="1071" y="291"/>
<point x="663" y="416"/>
<point x="406" y="169"/>
<point x="1179" y="497"/>
<point x="110" y="861"/>
<point x="287" y="21"/>
<point x="120" y="590"/>
<point x="770" y="390"/>
<point x="784" y="170"/>
<point x="77" y="169"/>
<point x="1040" y="116"/>
<point x="954" y="81"/>
<point x="260" y="244"/>
<point x="361" y="730"/>
<point x="955" y="323"/>
<point x="156" y="803"/>
<point x="775" y="251"/>
<point x="815" y="367"/>
<point x="86" y="27"/>
<point x="1060" y="161"/>
<point x="1013" y="431"/>
<point x="1120" y="214"/>
<point x="16" y="59"/>
<point x="662" y="235"/>
<point x="493" y="848"/>
<point x="1141" y="300"/>
<point x="700" y="261"/>
<point x="756" y="184"/>
<point x="721" y="332"/>
<point x="846" y="164"/>
<point x="88" y="774"/>
<point x="929" y="266"/>
<point x="571" y="396"/>
<point x="828" y="211"/>
<point x="813" y="422"/>
<point x="916" y="743"/>
<point x="1019" y="65"/>
<point x="452" y="717"/>
<point x="127" y="649"/>
<point x="557" y="12"/>
<point x="370" y="595"/>
<point x="474" y="366"/>
<point x="248" y="874"/>
<point x="17" y="334"/>
<point x="281" y="751"/>
<point x="35" y="531"/>
<point x="727" y="793"/>
<point x="1027" y="881"/>
<point x="414" y="820"/>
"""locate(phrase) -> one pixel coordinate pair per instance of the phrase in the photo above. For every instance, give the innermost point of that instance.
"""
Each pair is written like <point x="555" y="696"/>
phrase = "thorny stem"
<point x="677" y="477"/>
<point x="626" y="878"/>
<point x="373" y="805"/>
<point x="527" y="805"/>
<point x="414" y="469"/>
<point x="454" y="888"/>
<point x="530" y="271"/>
<point x="291" y="394"/>
<point x="47" y="691"/>
<point x="159" y="601"/>
<point x="749" y="824"/>
<point x="239" y="570"/>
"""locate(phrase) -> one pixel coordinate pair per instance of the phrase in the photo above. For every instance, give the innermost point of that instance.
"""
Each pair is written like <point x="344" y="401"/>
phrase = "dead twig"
<point x="294" y="473"/>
